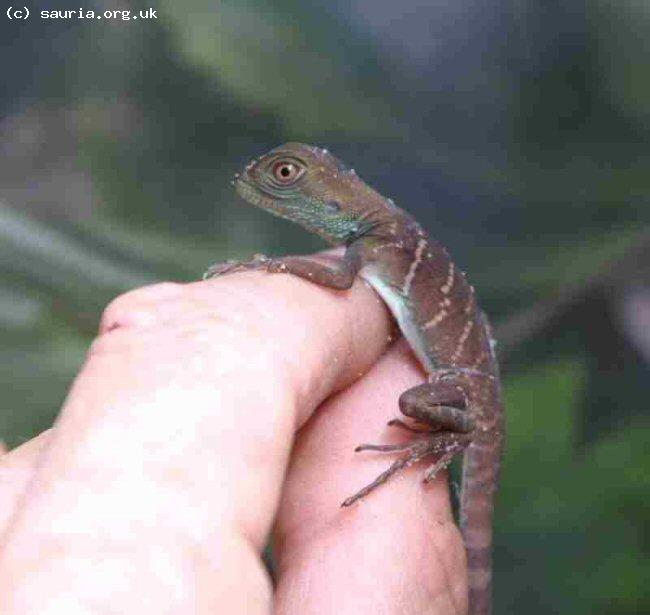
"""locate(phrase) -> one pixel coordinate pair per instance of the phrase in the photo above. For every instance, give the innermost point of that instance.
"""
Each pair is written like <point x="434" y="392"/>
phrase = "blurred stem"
<point x="631" y="267"/>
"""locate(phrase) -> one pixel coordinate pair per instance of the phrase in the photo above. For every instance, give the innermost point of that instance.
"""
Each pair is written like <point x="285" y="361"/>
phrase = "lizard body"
<point x="459" y="408"/>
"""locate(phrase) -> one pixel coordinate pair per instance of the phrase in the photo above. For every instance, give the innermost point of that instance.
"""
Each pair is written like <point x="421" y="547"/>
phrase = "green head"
<point x="309" y="186"/>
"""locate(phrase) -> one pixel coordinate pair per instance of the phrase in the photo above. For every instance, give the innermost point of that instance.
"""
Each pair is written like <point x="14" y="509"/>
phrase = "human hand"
<point x="190" y="431"/>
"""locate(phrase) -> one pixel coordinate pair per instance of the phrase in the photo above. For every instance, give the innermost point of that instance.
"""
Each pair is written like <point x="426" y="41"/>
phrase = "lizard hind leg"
<point x="443" y="429"/>
<point x="439" y="405"/>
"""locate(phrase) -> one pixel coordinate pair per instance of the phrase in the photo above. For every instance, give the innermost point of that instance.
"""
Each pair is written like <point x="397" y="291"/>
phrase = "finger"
<point x="395" y="551"/>
<point x="16" y="470"/>
<point x="173" y="442"/>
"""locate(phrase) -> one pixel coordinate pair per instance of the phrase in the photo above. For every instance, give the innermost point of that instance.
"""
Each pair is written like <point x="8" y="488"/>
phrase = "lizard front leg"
<point x="339" y="275"/>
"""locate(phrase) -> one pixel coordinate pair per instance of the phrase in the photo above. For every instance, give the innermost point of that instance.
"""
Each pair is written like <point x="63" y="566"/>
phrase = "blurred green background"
<point x="517" y="132"/>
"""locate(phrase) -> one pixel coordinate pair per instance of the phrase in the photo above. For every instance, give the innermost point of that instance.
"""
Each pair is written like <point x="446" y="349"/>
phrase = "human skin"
<point x="177" y="452"/>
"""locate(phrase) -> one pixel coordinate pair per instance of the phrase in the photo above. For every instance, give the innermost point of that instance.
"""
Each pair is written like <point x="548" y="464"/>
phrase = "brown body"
<point x="449" y="333"/>
<point x="459" y="408"/>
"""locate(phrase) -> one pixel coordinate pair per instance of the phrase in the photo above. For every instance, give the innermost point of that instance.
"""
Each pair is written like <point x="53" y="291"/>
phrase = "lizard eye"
<point x="286" y="172"/>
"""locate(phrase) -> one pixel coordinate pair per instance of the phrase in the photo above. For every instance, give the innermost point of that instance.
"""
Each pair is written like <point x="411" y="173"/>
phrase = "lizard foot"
<point x="259" y="261"/>
<point x="445" y="445"/>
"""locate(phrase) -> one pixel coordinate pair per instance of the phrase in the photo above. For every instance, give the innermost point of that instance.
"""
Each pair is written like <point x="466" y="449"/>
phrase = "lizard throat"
<point x="334" y="229"/>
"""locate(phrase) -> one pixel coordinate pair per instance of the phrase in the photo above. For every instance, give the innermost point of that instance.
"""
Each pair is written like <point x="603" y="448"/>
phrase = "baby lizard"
<point x="459" y="408"/>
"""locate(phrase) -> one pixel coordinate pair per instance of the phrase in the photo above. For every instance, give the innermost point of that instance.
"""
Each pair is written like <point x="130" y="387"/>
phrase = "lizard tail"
<point x="479" y="483"/>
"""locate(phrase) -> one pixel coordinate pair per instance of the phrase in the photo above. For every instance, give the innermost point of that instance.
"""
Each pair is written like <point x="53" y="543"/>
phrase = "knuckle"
<point x="137" y="307"/>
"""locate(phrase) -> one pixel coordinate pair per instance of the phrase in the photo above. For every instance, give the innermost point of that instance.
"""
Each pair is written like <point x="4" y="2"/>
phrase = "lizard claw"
<point x="259" y="261"/>
<point x="219" y="269"/>
<point x="276" y="266"/>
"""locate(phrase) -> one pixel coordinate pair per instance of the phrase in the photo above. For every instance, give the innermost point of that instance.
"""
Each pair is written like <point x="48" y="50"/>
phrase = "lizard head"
<point x="311" y="187"/>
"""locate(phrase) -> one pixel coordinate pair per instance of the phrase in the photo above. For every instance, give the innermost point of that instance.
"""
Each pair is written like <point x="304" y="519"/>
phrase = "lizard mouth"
<point x="255" y="196"/>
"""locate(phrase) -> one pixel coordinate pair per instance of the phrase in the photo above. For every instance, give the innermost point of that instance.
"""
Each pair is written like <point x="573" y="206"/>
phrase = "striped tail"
<point x="479" y="483"/>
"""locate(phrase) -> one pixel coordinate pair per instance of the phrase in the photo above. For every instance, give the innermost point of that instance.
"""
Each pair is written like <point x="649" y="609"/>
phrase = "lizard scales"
<point x="460" y="405"/>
